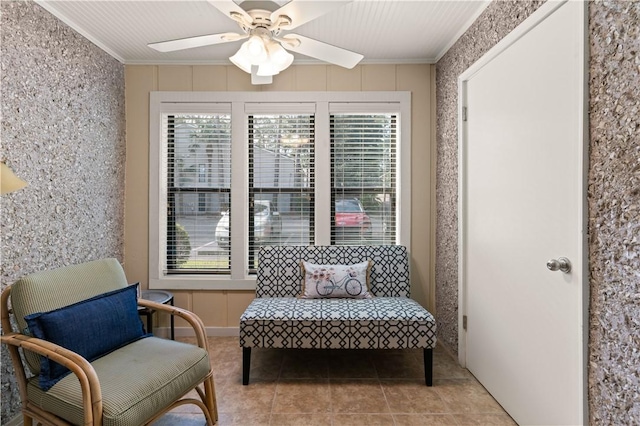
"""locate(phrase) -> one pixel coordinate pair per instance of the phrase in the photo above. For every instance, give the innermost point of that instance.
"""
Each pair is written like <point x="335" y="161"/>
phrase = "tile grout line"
<point x="331" y="413"/>
<point x="393" y="418"/>
<point x="275" y="390"/>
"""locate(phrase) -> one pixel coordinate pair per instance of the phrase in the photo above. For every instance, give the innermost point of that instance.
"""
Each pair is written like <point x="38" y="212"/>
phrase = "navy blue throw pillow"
<point x="91" y="328"/>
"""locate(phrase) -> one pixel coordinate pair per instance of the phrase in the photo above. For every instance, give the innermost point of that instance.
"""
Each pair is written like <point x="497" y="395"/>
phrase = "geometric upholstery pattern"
<point x="381" y="323"/>
<point x="279" y="275"/>
<point x="277" y="318"/>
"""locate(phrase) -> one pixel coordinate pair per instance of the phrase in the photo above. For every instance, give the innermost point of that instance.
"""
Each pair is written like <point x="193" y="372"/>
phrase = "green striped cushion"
<point x="48" y="290"/>
<point x="137" y="382"/>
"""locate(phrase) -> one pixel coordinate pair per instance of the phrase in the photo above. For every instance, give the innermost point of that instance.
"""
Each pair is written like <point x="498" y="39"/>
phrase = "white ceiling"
<point x="384" y="31"/>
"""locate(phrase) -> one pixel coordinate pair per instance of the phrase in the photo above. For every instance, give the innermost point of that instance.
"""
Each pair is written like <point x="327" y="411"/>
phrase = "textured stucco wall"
<point x="614" y="212"/>
<point x="492" y="26"/>
<point x="63" y="131"/>
<point x="613" y="195"/>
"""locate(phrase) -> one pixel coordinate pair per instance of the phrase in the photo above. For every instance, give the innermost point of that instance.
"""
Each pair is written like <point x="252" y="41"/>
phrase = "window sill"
<point x="201" y="282"/>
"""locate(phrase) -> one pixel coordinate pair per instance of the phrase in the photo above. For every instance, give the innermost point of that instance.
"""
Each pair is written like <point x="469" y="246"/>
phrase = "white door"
<point x="522" y="204"/>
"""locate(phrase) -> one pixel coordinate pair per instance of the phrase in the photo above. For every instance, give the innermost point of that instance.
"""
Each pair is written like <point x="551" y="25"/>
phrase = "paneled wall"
<point x="223" y="308"/>
<point x="62" y="132"/>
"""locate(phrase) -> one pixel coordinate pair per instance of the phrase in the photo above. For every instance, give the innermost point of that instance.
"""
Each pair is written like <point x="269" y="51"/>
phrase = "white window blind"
<point x="363" y="178"/>
<point x="231" y="172"/>
<point x="281" y="181"/>
<point x="198" y="177"/>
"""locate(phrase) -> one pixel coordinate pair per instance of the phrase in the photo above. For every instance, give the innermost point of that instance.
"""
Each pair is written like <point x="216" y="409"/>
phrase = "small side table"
<point x="158" y="296"/>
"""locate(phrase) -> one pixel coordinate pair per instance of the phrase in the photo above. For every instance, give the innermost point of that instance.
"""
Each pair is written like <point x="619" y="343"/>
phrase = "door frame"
<point x="531" y="22"/>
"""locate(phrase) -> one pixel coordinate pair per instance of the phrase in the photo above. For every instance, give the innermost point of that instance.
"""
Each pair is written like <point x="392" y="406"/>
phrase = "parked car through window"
<point x="266" y="224"/>
<point x="352" y="222"/>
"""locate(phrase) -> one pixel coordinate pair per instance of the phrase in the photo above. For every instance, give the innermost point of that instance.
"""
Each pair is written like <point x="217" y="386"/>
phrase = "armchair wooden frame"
<point x="83" y="370"/>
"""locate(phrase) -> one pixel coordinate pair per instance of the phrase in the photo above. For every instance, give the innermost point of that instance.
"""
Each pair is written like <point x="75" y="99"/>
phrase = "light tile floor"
<point x="340" y="387"/>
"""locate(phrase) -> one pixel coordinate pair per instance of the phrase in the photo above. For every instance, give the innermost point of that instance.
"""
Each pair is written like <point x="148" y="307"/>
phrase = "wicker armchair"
<point x="133" y="383"/>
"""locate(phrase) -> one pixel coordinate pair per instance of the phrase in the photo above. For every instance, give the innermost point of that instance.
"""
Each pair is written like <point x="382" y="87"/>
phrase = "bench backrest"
<point x="279" y="273"/>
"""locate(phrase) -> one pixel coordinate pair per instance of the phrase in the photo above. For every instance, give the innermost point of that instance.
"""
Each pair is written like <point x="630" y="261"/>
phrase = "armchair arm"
<point x="193" y="320"/>
<point x="79" y="366"/>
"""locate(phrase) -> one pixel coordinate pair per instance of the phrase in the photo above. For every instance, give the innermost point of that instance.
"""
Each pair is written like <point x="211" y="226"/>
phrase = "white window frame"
<point x="240" y="105"/>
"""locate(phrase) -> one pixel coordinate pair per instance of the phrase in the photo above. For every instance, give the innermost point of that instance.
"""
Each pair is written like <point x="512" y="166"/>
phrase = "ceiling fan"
<point x="265" y="53"/>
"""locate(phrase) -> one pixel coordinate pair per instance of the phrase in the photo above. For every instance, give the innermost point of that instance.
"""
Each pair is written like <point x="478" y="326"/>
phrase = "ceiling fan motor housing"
<point x="261" y="19"/>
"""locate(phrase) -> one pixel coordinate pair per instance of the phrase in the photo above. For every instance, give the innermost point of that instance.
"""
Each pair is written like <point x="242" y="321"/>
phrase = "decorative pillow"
<point x="91" y="328"/>
<point x="323" y="281"/>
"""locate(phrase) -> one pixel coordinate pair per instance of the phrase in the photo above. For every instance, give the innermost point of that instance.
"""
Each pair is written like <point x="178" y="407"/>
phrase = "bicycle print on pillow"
<point x="334" y="281"/>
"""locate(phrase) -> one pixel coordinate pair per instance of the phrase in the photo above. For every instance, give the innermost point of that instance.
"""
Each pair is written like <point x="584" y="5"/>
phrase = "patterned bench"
<point x="277" y="318"/>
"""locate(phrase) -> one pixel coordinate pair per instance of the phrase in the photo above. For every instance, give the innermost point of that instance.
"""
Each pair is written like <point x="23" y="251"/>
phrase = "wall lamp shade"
<point x="9" y="182"/>
<point x="268" y="55"/>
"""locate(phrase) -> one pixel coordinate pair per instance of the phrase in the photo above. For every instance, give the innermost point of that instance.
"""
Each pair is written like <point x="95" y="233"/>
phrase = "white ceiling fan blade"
<point x="323" y="51"/>
<point x="199" y="41"/>
<point x="230" y="9"/>
<point x="301" y="11"/>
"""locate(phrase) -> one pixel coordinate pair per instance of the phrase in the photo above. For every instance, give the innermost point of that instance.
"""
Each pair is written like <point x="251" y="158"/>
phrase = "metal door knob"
<point x="561" y="264"/>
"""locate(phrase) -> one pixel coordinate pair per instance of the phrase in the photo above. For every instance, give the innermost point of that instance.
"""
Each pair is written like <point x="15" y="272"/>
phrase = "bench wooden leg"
<point x="246" y="365"/>
<point x="428" y="366"/>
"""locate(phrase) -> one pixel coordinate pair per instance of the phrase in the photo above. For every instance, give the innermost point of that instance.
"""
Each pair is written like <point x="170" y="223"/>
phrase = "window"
<point x="231" y="172"/>
<point x="363" y="178"/>
<point x="281" y="181"/>
<point x="198" y="175"/>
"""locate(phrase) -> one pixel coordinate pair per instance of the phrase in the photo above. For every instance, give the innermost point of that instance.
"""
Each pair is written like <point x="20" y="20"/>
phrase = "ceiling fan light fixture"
<point x="270" y="57"/>
<point x="267" y="69"/>
<point x="241" y="61"/>
<point x="279" y="60"/>
<point x="256" y="49"/>
<point x="279" y="56"/>
<point x="252" y="52"/>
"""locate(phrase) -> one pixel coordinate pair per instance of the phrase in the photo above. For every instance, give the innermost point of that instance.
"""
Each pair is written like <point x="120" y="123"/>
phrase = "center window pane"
<point x="281" y="181"/>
